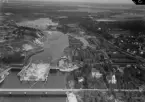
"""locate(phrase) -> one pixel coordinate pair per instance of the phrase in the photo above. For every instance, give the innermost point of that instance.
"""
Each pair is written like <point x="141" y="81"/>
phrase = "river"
<point x="53" y="48"/>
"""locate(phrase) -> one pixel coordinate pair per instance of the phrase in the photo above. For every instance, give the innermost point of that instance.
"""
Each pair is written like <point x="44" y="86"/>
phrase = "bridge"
<point x="34" y="92"/>
<point x="60" y="90"/>
<point x="54" y="92"/>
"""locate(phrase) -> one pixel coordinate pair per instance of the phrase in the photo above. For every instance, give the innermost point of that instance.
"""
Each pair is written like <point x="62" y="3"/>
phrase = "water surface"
<point x="53" y="47"/>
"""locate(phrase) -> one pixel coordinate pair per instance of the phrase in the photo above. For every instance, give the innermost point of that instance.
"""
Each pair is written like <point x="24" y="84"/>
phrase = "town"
<point x="81" y="57"/>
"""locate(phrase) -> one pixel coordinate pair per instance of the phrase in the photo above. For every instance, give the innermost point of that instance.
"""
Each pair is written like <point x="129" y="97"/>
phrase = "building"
<point x="95" y="73"/>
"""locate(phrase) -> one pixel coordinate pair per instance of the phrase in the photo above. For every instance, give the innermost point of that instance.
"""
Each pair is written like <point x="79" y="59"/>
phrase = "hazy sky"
<point x="97" y="1"/>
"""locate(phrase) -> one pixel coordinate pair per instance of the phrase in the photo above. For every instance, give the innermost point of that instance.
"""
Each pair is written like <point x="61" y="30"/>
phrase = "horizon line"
<point x="73" y="2"/>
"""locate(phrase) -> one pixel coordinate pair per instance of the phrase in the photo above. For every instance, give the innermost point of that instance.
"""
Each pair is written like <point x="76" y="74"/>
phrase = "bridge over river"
<point x="55" y="91"/>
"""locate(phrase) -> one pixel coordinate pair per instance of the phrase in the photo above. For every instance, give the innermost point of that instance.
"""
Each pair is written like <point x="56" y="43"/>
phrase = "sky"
<point x="97" y="1"/>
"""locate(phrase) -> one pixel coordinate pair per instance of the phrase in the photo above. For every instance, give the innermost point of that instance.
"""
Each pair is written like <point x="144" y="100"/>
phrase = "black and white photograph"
<point x="72" y="51"/>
